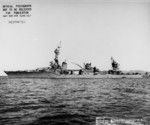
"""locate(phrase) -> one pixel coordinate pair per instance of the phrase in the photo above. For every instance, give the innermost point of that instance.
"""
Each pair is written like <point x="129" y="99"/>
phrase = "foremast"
<point x="56" y="51"/>
<point x="55" y="64"/>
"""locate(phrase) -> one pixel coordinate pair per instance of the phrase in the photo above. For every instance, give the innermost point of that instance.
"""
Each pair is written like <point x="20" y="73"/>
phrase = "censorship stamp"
<point x="112" y="121"/>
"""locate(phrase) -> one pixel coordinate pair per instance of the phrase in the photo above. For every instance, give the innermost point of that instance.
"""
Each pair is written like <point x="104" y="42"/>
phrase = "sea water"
<point x="73" y="101"/>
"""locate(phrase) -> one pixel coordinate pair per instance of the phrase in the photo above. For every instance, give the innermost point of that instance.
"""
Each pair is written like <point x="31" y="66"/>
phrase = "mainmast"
<point x="115" y="65"/>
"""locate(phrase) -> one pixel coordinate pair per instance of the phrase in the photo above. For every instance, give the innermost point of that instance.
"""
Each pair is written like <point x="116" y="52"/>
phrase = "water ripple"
<point x="72" y="101"/>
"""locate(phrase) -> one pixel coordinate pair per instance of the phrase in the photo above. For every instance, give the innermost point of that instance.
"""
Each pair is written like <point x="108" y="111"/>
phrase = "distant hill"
<point x="136" y="71"/>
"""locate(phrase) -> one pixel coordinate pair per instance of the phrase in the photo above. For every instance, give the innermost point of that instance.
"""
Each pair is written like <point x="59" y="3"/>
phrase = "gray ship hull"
<point x="52" y="75"/>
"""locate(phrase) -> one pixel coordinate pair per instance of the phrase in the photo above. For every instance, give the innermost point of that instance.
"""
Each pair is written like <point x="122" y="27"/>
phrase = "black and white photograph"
<point x="74" y="62"/>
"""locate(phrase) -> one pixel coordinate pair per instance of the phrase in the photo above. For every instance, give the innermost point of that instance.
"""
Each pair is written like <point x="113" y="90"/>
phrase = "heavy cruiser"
<point x="57" y="70"/>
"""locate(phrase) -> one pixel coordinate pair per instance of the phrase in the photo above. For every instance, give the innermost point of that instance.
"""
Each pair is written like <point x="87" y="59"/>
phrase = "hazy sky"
<point x="90" y="31"/>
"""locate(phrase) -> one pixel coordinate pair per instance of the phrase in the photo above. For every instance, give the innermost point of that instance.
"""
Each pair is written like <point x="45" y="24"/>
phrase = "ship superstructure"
<point x="57" y="70"/>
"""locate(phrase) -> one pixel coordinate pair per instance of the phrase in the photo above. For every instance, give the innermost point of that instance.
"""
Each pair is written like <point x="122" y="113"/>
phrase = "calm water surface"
<point x="72" y="101"/>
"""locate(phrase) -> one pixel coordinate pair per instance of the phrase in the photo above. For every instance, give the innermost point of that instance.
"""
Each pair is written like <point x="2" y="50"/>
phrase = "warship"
<point x="57" y="70"/>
